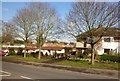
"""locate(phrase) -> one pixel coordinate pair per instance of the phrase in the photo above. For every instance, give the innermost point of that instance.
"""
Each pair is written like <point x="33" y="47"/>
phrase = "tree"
<point x="90" y="17"/>
<point x="23" y="22"/>
<point x="46" y="22"/>
<point x="8" y="33"/>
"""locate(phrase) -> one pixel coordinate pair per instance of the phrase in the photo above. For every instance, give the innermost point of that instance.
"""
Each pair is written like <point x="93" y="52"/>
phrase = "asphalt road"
<point x="20" y="71"/>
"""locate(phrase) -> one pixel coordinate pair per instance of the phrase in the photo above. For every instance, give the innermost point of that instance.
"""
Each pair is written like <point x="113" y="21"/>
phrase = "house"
<point x="48" y="48"/>
<point x="109" y="43"/>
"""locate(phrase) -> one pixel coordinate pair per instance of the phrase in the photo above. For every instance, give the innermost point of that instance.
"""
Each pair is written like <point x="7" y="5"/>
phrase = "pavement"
<point x="82" y="72"/>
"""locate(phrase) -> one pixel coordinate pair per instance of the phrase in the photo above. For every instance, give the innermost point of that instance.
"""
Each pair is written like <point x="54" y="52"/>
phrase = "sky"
<point x="59" y="0"/>
<point x="9" y="9"/>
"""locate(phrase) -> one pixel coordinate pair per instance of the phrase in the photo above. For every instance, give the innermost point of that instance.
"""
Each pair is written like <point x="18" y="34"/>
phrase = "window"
<point x="106" y="51"/>
<point x="106" y="39"/>
<point x="116" y="39"/>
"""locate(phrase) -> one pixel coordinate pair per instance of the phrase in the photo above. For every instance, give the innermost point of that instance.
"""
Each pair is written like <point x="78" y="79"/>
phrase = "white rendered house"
<point x="109" y="44"/>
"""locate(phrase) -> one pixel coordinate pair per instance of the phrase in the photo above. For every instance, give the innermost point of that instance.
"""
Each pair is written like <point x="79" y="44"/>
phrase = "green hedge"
<point x="113" y="58"/>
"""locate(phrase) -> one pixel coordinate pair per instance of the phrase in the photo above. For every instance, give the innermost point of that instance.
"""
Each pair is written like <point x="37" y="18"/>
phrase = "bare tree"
<point x="89" y="17"/>
<point x="47" y="23"/>
<point x="8" y="32"/>
<point x="23" y="23"/>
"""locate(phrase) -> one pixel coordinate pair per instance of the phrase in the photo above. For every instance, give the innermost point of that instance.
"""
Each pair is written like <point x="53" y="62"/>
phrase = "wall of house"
<point x="113" y="46"/>
<point x="100" y="51"/>
<point x="81" y="45"/>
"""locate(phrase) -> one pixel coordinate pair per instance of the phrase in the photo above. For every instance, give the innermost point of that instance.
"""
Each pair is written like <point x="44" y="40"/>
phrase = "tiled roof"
<point x="98" y="31"/>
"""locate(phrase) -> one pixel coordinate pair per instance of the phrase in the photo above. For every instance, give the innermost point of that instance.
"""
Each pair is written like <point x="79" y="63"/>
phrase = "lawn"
<point x="112" y="66"/>
<point x="99" y="65"/>
<point x="32" y="59"/>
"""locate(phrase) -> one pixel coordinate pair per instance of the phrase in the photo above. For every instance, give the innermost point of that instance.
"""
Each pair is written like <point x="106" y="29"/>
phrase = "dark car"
<point x="2" y="53"/>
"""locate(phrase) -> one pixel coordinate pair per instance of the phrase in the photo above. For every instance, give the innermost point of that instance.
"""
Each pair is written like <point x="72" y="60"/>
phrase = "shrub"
<point x="20" y="51"/>
<point x="11" y="51"/>
<point x="86" y="52"/>
<point x="97" y="57"/>
<point x="113" y="58"/>
<point x="35" y="54"/>
<point x="79" y="54"/>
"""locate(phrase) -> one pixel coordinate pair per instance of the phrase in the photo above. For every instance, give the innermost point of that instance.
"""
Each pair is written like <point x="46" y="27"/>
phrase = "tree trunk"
<point x="92" y="54"/>
<point x="25" y="50"/>
<point x="39" y="56"/>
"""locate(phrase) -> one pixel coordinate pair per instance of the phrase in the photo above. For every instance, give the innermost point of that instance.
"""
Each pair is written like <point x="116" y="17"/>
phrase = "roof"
<point x="113" y="31"/>
<point x="52" y="48"/>
<point x="110" y="32"/>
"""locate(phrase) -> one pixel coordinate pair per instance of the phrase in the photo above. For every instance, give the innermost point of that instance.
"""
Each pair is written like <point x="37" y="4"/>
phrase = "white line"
<point x="4" y="75"/>
<point x="6" y="72"/>
<point x="25" y="77"/>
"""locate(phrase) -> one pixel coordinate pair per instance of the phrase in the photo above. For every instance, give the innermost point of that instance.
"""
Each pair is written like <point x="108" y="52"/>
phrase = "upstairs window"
<point x="116" y="39"/>
<point x="106" y="39"/>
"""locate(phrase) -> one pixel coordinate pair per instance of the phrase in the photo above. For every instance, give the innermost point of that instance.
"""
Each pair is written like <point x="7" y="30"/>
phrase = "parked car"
<point x="2" y="53"/>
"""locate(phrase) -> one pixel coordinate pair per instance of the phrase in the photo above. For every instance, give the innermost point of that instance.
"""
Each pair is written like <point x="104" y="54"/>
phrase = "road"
<point x="20" y="71"/>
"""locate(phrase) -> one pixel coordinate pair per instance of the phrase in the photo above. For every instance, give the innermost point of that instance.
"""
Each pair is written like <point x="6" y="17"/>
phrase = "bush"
<point x="113" y="58"/>
<point x="35" y="54"/>
<point x="20" y="51"/>
<point x="79" y="54"/>
<point x="86" y="53"/>
<point x="11" y="51"/>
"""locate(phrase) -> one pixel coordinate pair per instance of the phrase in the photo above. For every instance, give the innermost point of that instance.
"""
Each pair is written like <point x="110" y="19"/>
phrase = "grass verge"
<point x="98" y="65"/>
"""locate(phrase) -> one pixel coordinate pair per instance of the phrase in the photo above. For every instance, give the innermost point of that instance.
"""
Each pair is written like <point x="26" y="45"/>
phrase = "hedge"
<point x="113" y="58"/>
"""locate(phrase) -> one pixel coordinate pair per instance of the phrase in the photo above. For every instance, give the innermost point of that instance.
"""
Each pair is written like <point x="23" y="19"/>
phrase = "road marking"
<point x="6" y="73"/>
<point x="25" y="77"/>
